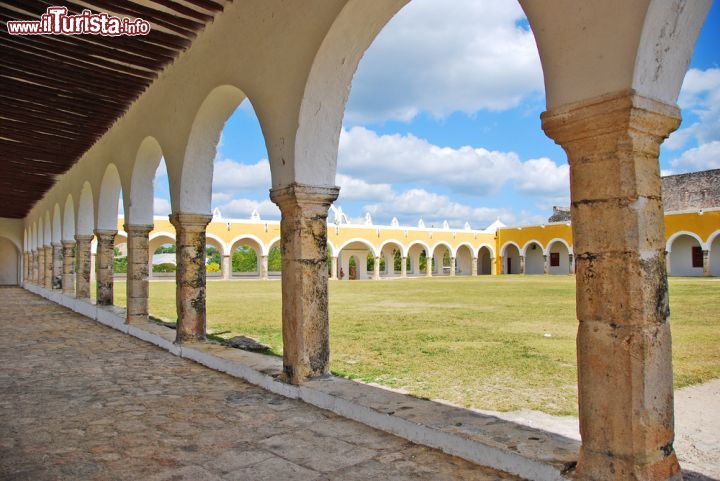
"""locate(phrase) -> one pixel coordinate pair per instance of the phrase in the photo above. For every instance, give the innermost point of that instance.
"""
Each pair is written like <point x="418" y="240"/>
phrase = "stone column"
<point x="34" y="267"/>
<point x="522" y="265"/>
<point x="264" y="267"/>
<point x="82" y="273"/>
<point x="39" y="253"/>
<point x="25" y="266"/>
<point x="571" y="264"/>
<point x="105" y="266"/>
<point x="376" y="268"/>
<point x="546" y="267"/>
<point x="706" y="263"/>
<point x="57" y="265"/>
<point x="68" y="265"/>
<point x="452" y="266"/>
<point x="190" y="275"/>
<point x="403" y="266"/>
<point x="306" y="329"/>
<point x="428" y="266"/>
<point x="138" y="273"/>
<point x="226" y="267"/>
<point x="334" y="268"/>
<point x="474" y="266"/>
<point x="48" y="267"/>
<point x="668" y="263"/>
<point x="625" y="385"/>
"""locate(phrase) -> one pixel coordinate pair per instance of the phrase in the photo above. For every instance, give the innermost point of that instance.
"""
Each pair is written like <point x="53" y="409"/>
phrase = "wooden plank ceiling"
<point x="59" y="94"/>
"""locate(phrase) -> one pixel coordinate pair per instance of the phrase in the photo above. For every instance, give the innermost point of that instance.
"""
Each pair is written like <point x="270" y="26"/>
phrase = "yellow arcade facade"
<point x="692" y="247"/>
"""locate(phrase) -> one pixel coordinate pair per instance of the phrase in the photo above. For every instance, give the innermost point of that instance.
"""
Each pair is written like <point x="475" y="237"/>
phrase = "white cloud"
<point x="242" y="208"/>
<point x="379" y="159"/>
<point x="704" y="157"/>
<point x="442" y="58"/>
<point x="231" y="176"/>
<point x="161" y="206"/>
<point x="700" y="94"/>
<point x="358" y="189"/>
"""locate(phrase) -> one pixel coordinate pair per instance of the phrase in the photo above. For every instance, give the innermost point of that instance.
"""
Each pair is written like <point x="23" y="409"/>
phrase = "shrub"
<point x="120" y="265"/>
<point x="164" y="267"/>
<point x="212" y="267"/>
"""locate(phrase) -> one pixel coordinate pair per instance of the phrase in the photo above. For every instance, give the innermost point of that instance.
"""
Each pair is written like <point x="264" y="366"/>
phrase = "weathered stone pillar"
<point x="303" y="228"/>
<point x="25" y="266"/>
<point x="68" y="265"/>
<point x="48" y="267"/>
<point x="264" y="267"/>
<point x="452" y="266"/>
<point x="190" y="275"/>
<point x="138" y="273"/>
<point x="334" y="267"/>
<point x="33" y="267"/>
<point x="624" y="358"/>
<point x="522" y="265"/>
<point x="376" y="268"/>
<point x="667" y="263"/>
<point x="39" y="254"/>
<point x="226" y="267"/>
<point x="546" y="266"/>
<point x="474" y="266"/>
<point x="706" y="263"/>
<point x="571" y="264"/>
<point x="82" y="273"/>
<point x="403" y="266"/>
<point x="57" y="265"/>
<point x="105" y="266"/>
<point x="428" y="266"/>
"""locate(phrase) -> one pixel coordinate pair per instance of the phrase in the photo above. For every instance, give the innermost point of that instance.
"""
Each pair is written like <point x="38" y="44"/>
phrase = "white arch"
<point x="445" y="244"/>
<point x="47" y="230"/>
<point x="422" y="244"/>
<point x="25" y="240"/>
<point x="371" y="247"/>
<point x="194" y="192"/>
<point x="276" y="240"/>
<point x="260" y="243"/>
<point x="671" y="239"/>
<point x="523" y="251"/>
<point x="68" y="230"/>
<point x="86" y="215"/>
<point x="110" y="188"/>
<point x="56" y="225"/>
<point x="508" y="244"/>
<point x="155" y="235"/>
<point x="403" y="251"/>
<point x="141" y="195"/>
<point x="473" y="252"/>
<point x="332" y="248"/>
<point x="562" y="241"/>
<point x="223" y="246"/>
<point x="489" y="248"/>
<point x="711" y="238"/>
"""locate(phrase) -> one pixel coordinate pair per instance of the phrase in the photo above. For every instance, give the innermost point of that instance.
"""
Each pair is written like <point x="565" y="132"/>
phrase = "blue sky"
<point x="443" y="124"/>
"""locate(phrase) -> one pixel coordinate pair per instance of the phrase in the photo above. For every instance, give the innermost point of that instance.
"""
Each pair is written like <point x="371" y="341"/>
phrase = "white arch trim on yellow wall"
<point x="473" y="251"/>
<point x="332" y="249"/>
<point x="263" y="248"/>
<point x="560" y="240"/>
<point x="421" y="244"/>
<point x="508" y="244"/>
<point x="489" y="247"/>
<point x="403" y="250"/>
<point x="671" y="239"/>
<point x="712" y="238"/>
<point x="442" y="243"/>
<point x="371" y="247"/>
<point x="276" y="240"/>
<point x="223" y="246"/>
<point x="523" y="251"/>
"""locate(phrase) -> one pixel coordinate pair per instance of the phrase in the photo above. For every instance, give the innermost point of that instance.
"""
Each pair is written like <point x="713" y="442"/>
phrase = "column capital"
<point x="301" y="194"/>
<point x="190" y="222"/>
<point x="68" y="243"/>
<point x="612" y="114"/>
<point x="56" y="244"/>
<point x="138" y="228"/>
<point x="84" y="237"/>
<point x="105" y="233"/>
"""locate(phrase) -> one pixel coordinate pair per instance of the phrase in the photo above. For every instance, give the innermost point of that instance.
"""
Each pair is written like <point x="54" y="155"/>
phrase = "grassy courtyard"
<point x="500" y="343"/>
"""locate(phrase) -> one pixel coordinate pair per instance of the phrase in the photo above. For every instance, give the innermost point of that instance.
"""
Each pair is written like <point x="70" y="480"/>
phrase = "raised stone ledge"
<point x="480" y="438"/>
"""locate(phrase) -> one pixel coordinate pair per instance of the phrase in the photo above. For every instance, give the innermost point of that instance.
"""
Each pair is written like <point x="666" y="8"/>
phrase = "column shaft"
<point x="25" y="266"/>
<point x="226" y="267"/>
<point x="522" y="265"/>
<point x="68" y="267"/>
<point x="303" y="228"/>
<point x="264" y="267"/>
<point x="376" y="268"/>
<point x="706" y="263"/>
<point x="82" y="273"/>
<point x="623" y="346"/>
<point x="452" y="266"/>
<point x="428" y="266"/>
<point x="546" y="266"/>
<point x="33" y="267"/>
<point x="57" y="265"/>
<point x="190" y="275"/>
<point x="474" y="266"/>
<point x="138" y="272"/>
<point x="571" y="264"/>
<point x="493" y="266"/>
<point x="48" y="279"/>
<point x="105" y="266"/>
<point x="334" y="268"/>
<point x="403" y="267"/>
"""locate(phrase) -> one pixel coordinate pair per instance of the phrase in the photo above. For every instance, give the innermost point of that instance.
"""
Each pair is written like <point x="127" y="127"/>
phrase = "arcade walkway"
<point x="83" y="402"/>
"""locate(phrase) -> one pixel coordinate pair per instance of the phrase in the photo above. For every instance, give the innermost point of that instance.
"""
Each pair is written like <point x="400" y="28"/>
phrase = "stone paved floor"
<point x="79" y="401"/>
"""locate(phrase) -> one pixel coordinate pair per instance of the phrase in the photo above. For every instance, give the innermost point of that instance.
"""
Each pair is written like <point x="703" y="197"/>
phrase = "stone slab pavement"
<point x="80" y="401"/>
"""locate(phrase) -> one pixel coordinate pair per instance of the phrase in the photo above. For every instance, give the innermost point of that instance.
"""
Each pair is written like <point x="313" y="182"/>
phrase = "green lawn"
<point x="500" y="343"/>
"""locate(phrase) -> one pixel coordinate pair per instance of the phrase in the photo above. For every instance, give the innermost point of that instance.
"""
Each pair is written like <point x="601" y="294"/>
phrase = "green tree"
<point x="244" y="259"/>
<point x="120" y="265"/>
<point x="164" y="267"/>
<point x="213" y="255"/>
<point x="275" y="259"/>
<point x="166" y="249"/>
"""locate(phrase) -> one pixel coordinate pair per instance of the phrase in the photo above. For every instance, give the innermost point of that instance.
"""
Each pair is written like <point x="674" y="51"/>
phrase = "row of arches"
<point x="555" y="258"/>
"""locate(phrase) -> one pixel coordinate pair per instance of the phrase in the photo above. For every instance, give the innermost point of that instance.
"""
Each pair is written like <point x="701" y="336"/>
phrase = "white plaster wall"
<point x="564" y="267"/>
<point x="360" y="259"/>
<point x="534" y="261"/>
<point x="484" y="262"/>
<point x="463" y="262"/>
<point x="9" y="262"/>
<point x="681" y="257"/>
<point x="715" y="257"/>
<point x="512" y="253"/>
